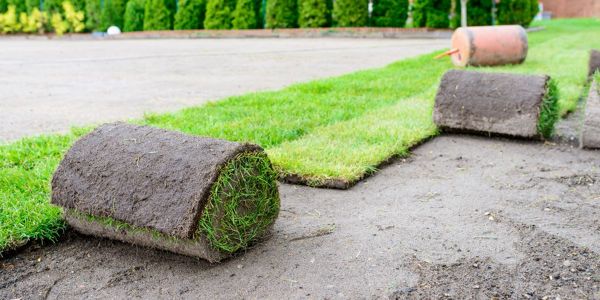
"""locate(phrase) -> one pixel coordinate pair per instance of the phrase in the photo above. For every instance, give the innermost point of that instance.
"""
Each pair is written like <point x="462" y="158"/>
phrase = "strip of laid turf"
<point x="309" y="159"/>
<point x="332" y="130"/>
<point x="368" y="141"/>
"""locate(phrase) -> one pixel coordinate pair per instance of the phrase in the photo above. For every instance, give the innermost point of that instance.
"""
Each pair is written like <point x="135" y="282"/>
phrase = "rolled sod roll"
<point x="194" y="196"/>
<point x="591" y="124"/>
<point x="594" y="65"/>
<point x="494" y="103"/>
<point x="489" y="45"/>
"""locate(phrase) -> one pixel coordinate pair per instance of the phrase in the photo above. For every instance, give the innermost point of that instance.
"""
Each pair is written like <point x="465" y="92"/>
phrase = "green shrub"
<point x="431" y="13"/>
<point x="282" y="13"/>
<point x="3" y="6"/>
<point x="51" y="6"/>
<point x="78" y="4"/>
<point x="260" y="10"/>
<point x="389" y="13"/>
<point x="244" y="15"/>
<point x="113" y="13"/>
<point x="350" y="13"/>
<point x="157" y="15"/>
<point x="31" y="4"/>
<point x="93" y="15"/>
<point x="9" y="20"/>
<point x="314" y="13"/>
<point x="190" y="14"/>
<point x="19" y="5"/>
<point x="70" y="20"/>
<point x="134" y="15"/>
<point x="219" y="14"/>
<point x="516" y="12"/>
<point x="479" y="13"/>
<point x="34" y="21"/>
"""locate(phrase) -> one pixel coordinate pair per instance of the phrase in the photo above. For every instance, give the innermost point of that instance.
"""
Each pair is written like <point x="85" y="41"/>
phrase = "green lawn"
<point x="332" y="130"/>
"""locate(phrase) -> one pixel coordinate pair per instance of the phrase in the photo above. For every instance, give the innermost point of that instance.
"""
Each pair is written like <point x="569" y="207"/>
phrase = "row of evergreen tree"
<point x="137" y="15"/>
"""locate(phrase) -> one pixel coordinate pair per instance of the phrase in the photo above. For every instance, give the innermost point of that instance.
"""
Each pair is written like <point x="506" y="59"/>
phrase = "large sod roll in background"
<point x="591" y="125"/>
<point x="195" y="196"/>
<point x="594" y="65"/>
<point x="493" y="103"/>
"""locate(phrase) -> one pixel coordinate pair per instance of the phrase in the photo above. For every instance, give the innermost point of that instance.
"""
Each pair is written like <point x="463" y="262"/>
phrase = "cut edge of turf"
<point x="549" y="110"/>
<point x="344" y="184"/>
<point x="243" y="203"/>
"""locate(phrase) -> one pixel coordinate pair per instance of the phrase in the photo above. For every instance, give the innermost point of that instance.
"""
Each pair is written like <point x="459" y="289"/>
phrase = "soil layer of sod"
<point x="196" y="196"/>
<point x="331" y="130"/>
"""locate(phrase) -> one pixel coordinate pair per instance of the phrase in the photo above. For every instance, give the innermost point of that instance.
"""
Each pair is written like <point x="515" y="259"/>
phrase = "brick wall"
<point x="572" y="8"/>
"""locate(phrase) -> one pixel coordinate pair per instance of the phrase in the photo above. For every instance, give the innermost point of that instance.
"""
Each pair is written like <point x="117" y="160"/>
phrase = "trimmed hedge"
<point x="519" y="12"/>
<point x="282" y="13"/>
<point x="51" y="6"/>
<point x="190" y="14"/>
<point x="157" y="15"/>
<point x="31" y="4"/>
<point x="219" y="14"/>
<point x="431" y="13"/>
<point x="93" y="15"/>
<point x="244" y="15"/>
<point x="350" y="13"/>
<point x="260" y="9"/>
<point x="113" y="13"/>
<point x="389" y="13"/>
<point x="314" y="13"/>
<point x="134" y="15"/>
<point x="479" y="13"/>
<point x="19" y="5"/>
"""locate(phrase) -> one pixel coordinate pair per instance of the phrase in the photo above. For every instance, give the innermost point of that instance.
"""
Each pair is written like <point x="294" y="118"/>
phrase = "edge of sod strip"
<point x="549" y="110"/>
<point x="243" y="205"/>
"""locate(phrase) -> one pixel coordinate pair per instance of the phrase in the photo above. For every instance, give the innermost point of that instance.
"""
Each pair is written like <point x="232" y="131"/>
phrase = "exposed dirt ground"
<point x="53" y="85"/>
<point x="464" y="217"/>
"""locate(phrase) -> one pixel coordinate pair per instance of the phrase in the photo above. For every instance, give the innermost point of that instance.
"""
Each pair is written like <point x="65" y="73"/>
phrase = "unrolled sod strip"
<point x="591" y="125"/>
<point x="493" y="103"/>
<point x="195" y="196"/>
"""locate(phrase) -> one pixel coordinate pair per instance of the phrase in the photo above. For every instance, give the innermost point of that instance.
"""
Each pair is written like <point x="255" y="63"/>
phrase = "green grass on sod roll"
<point x="339" y="128"/>
<point x="231" y="222"/>
<point x="549" y="112"/>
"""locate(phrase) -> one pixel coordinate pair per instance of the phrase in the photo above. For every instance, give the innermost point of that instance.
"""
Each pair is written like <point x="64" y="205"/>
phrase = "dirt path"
<point x="464" y="217"/>
<point x="51" y="85"/>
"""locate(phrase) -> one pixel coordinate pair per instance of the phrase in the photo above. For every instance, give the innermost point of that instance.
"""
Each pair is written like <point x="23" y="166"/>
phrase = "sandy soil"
<point x="51" y="85"/>
<point x="464" y="217"/>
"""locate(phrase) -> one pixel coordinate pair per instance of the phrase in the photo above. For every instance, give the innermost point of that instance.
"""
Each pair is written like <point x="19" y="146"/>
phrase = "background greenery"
<point x="282" y="14"/>
<point x="251" y="14"/>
